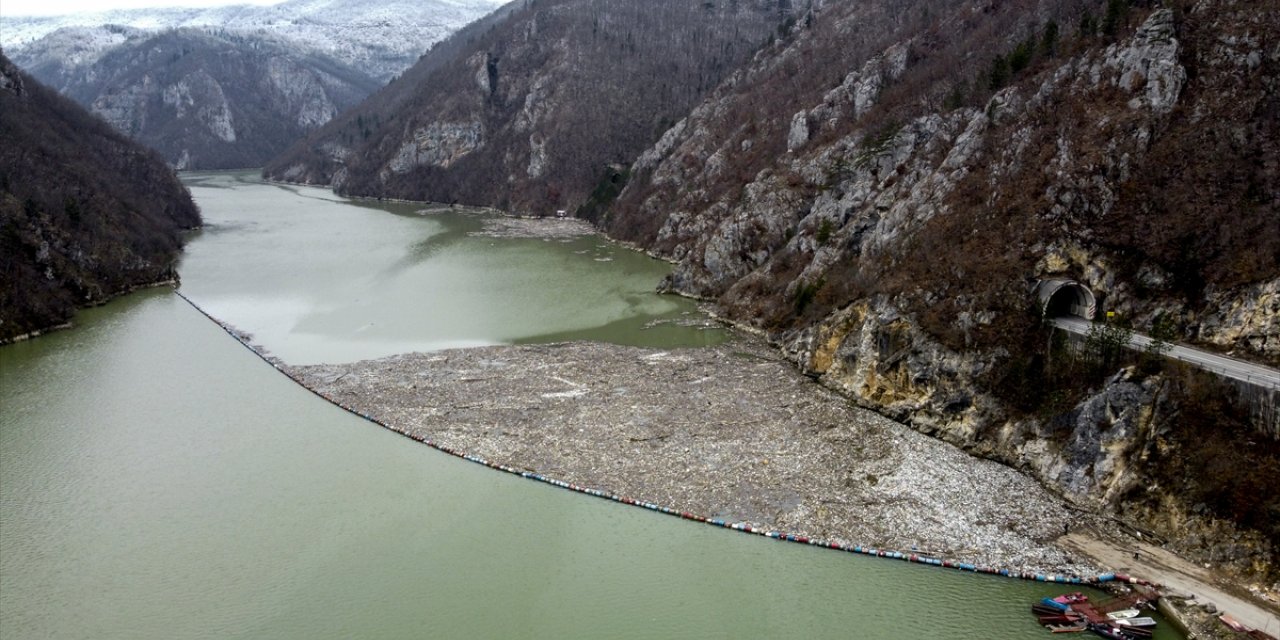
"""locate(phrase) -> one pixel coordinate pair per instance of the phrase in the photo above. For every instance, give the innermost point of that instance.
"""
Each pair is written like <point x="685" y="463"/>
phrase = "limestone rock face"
<point x="438" y="145"/>
<point x="1149" y="65"/>
<point x="1106" y="429"/>
<point x="200" y="98"/>
<point x="301" y="91"/>
<point x="1248" y="319"/>
<point x="799" y="133"/>
<point x="874" y="354"/>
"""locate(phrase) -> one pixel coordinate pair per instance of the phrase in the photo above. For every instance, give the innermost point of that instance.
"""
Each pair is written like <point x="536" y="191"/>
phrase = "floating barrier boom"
<point x="684" y="515"/>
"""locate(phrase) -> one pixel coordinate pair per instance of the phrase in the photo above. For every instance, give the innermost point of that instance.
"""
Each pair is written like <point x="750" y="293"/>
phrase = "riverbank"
<point x="1196" y="593"/>
<point x="730" y="432"/>
<point x="88" y="304"/>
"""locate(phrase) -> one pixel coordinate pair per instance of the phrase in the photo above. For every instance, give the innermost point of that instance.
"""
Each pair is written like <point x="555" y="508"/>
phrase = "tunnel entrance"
<point x="1062" y="297"/>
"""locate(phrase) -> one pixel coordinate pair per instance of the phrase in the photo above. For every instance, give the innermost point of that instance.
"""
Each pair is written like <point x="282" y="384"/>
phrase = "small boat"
<point x="1123" y="614"/>
<point x="1070" y="598"/>
<point x="1108" y="632"/>
<point x="1066" y="628"/>
<point x="1137" y="622"/>
<point x="1051" y="620"/>
<point x="1050" y="602"/>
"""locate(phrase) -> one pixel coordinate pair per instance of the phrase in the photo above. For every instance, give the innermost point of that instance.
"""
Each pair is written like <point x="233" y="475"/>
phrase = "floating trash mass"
<point x="684" y="515"/>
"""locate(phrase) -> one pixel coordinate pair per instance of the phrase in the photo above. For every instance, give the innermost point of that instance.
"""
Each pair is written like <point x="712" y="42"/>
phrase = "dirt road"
<point x="1160" y="566"/>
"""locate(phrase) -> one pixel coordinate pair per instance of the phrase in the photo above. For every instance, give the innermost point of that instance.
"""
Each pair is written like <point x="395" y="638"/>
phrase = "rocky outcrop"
<point x="85" y="213"/>
<point x="199" y="97"/>
<point x="873" y="353"/>
<point x="1248" y="319"/>
<point x="300" y="92"/>
<point x="437" y="145"/>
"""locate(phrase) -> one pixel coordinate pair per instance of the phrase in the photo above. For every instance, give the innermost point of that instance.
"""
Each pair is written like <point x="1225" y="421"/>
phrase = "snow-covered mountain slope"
<point x="382" y="37"/>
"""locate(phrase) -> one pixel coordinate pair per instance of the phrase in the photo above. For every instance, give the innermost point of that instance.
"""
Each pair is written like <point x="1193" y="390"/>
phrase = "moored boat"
<point x="1137" y="622"/>
<point x="1070" y="598"/>
<point x="1108" y="631"/>
<point x="1051" y="620"/>
<point x="1066" y="628"/>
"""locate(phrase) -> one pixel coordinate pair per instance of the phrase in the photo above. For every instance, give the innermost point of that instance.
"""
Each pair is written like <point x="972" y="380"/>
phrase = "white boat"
<point x="1123" y="614"/>
<point x="1136" y="622"/>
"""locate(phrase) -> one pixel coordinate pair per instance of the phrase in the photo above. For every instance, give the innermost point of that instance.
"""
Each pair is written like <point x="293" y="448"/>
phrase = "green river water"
<point x="157" y="480"/>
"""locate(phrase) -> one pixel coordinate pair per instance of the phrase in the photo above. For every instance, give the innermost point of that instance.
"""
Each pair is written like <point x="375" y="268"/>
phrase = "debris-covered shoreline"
<point x="730" y="432"/>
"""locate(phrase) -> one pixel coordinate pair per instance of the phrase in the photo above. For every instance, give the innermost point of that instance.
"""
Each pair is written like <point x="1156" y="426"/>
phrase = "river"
<point x="157" y="480"/>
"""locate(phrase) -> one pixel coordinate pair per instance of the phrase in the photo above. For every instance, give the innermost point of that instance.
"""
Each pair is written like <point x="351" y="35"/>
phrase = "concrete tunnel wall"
<point x="1064" y="297"/>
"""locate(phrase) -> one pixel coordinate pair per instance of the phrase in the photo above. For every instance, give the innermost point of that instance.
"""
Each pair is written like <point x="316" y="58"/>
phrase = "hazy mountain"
<point x="85" y="213"/>
<point x="534" y="106"/>
<point x="380" y="37"/>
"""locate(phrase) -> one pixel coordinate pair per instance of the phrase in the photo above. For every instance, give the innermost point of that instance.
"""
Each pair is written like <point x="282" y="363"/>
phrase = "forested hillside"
<point x="531" y="108"/>
<point x="85" y="213"/>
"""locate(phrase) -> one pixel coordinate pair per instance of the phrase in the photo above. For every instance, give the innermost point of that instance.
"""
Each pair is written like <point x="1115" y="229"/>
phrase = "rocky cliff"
<point x="534" y="107"/>
<point x="85" y="213"/>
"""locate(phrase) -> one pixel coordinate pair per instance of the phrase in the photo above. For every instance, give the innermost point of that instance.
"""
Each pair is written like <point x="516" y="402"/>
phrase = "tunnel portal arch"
<point x="1065" y="297"/>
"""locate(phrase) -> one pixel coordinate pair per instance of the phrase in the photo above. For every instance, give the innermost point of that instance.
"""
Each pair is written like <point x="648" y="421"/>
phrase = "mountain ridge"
<point x="382" y="37"/>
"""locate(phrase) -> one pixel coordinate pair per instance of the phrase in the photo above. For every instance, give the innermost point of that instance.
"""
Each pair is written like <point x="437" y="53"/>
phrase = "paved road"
<point x="1222" y="365"/>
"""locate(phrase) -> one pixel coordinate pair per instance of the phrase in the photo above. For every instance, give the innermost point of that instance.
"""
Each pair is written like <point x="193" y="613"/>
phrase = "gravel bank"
<point x="730" y="432"/>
